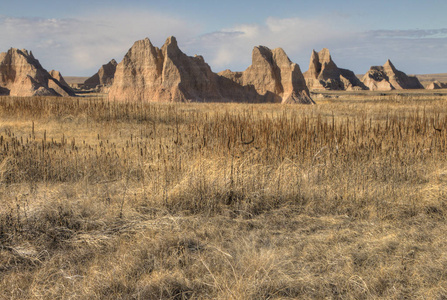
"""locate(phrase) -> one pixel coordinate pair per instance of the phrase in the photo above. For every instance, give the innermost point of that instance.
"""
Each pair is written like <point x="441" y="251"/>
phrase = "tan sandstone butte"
<point x="436" y="85"/>
<point x="103" y="78"/>
<point x="273" y="76"/>
<point x="166" y="74"/>
<point x="148" y="73"/>
<point x="62" y="88"/>
<point x="387" y="77"/>
<point x="58" y="76"/>
<point x="22" y="75"/>
<point x="323" y="74"/>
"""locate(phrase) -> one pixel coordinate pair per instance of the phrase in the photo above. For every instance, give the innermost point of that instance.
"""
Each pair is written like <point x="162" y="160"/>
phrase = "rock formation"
<point x="323" y="74"/>
<point x="58" y="76"/>
<point x="22" y="75"/>
<point x="273" y="76"/>
<point x="387" y="77"/>
<point x="104" y="77"/>
<point x="59" y="84"/>
<point x="148" y="73"/>
<point x="436" y="85"/>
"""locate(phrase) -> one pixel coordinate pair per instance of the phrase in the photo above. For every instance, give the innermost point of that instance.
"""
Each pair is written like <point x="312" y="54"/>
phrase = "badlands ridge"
<point x="166" y="74"/>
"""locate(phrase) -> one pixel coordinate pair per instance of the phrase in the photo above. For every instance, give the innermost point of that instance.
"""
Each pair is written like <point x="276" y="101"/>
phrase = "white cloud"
<point x="82" y="45"/>
<point x="410" y="34"/>
<point x="232" y="47"/>
<point x="412" y="51"/>
<point x="78" y="46"/>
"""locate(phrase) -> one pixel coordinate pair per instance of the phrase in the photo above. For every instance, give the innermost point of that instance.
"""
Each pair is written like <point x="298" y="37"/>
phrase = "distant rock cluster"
<point x="436" y="85"/>
<point x="387" y="77"/>
<point x="323" y="74"/>
<point x="22" y="75"/>
<point x="166" y="74"/>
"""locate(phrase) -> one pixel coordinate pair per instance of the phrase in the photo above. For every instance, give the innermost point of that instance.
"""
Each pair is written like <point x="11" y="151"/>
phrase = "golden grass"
<point x="344" y="200"/>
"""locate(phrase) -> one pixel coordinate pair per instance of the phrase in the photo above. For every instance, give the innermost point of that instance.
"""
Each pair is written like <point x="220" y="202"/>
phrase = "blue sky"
<point x="77" y="37"/>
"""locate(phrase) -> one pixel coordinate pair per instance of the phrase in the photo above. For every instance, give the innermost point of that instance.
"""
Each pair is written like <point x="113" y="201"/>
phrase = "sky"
<point x="76" y="37"/>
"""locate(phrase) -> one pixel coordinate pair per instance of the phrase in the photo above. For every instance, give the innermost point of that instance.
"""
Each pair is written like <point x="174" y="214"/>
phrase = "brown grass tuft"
<point x="341" y="200"/>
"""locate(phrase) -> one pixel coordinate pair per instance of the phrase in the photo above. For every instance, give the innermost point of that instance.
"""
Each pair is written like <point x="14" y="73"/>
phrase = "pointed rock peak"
<point x="280" y="55"/>
<point x="58" y="76"/>
<point x="171" y="41"/>
<point x="171" y="45"/>
<point x="140" y="47"/>
<point x="314" y="55"/>
<point x="279" y="51"/>
<point x="325" y="51"/>
<point x="23" y="52"/>
<point x="324" y="55"/>
<point x="262" y="50"/>
<point x="14" y="50"/>
<point x="105" y="75"/>
<point x="143" y="43"/>
<point x="389" y="64"/>
<point x="261" y="53"/>
<point x="314" y="65"/>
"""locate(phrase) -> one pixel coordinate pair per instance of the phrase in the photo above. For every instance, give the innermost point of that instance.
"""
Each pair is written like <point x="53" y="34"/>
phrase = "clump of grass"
<point x="183" y="201"/>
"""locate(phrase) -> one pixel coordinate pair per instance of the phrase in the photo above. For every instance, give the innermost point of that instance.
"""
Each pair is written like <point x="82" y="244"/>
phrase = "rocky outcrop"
<point x="58" y="83"/>
<point x="273" y="76"/>
<point x="104" y="77"/>
<point x="387" y="77"/>
<point x="436" y="85"/>
<point x="166" y="74"/>
<point x="22" y="75"/>
<point x="58" y="76"/>
<point x="148" y="73"/>
<point x="323" y="74"/>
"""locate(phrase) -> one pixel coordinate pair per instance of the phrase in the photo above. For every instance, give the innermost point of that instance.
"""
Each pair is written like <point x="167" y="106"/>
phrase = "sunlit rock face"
<point x="22" y="75"/>
<point x="166" y="74"/>
<point x="387" y="77"/>
<point x="323" y="74"/>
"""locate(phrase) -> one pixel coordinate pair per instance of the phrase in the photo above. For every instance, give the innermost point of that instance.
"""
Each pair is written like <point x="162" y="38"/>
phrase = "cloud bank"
<point x="232" y="47"/>
<point x="81" y="45"/>
<point x="412" y="51"/>
<point x="78" y="46"/>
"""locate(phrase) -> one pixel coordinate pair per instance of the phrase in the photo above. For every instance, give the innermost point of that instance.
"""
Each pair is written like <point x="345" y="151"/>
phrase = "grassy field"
<point x="346" y="199"/>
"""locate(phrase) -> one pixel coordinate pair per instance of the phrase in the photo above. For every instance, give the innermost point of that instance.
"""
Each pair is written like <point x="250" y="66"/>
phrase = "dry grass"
<point x="342" y="200"/>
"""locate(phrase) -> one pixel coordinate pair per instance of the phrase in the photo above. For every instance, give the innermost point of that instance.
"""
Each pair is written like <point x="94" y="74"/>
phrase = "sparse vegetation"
<point x="342" y="200"/>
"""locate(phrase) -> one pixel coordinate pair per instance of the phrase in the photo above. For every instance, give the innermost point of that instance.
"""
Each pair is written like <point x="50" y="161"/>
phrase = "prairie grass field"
<point x="346" y="199"/>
